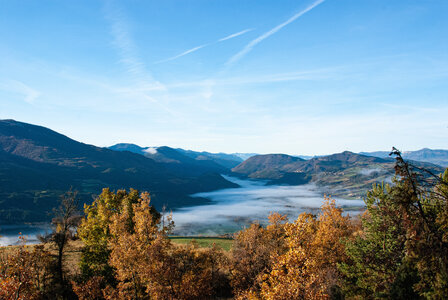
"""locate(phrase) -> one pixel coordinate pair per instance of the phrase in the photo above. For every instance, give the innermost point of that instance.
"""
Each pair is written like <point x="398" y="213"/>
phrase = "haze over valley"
<point x="231" y="149"/>
<point x="208" y="192"/>
<point x="234" y="209"/>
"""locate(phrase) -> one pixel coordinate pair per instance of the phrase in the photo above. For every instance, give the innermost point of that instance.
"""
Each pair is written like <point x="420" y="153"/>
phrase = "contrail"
<point x="182" y="54"/>
<point x="234" y="35"/>
<point x="256" y="41"/>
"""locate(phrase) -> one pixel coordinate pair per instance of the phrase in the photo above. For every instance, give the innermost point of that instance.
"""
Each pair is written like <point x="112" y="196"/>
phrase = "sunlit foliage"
<point x="148" y="265"/>
<point x="308" y="269"/>
<point x="397" y="249"/>
<point x="25" y="274"/>
<point x="131" y="241"/>
<point x="95" y="233"/>
<point x="253" y="253"/>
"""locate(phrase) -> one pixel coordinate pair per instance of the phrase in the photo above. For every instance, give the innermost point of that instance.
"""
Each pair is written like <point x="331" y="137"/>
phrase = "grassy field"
<point x="74" y="249"/>
<point x="204" y="242"/>
<point x="72" y="254"/>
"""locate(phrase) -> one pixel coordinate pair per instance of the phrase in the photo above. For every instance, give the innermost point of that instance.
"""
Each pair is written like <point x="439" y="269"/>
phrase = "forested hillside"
<point x="37" y="165"/>
<point x="397" y="249"/>
<point x="183" y="161"/>
<point x="345" y="174"/>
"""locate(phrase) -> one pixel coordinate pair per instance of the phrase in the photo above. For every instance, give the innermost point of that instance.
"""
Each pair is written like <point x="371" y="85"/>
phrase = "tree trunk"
<point x="60" y="253"/>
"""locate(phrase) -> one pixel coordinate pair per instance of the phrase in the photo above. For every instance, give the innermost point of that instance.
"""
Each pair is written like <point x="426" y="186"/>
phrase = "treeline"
<point x="397" y="249"/>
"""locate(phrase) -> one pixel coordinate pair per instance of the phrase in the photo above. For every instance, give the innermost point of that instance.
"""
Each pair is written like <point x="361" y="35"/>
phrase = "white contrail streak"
<point x="259" y="39"/>
<point x="234" y="35"/>
<point x="182" y="54"/>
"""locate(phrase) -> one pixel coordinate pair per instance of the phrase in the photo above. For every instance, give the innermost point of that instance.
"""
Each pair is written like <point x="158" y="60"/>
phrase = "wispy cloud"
<point x="330" y="73"/>
<point x="267" y="34"/>
<point x="234" y="35"/>
<point x="126" y="47"/>
<point x="16" y="86"/>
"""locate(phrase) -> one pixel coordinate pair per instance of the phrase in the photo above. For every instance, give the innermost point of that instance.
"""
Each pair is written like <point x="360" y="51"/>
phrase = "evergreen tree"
<point x="376" y="254"/>
<point x="402" y="251"/>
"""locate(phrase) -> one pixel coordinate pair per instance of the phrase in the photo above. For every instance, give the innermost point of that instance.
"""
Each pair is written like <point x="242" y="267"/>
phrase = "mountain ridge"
<point x="434" y="156"/>
<point x="52" y="163"/>
<point x="344" y="174"/>
<point x="38" y="164"/>
<point x="225" y="160"/>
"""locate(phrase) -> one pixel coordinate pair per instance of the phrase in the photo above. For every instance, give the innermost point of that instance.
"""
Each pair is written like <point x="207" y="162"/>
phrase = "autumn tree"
<point x="37" y="274"/>
<point x="95" y="233"/>
<point x="254" y="250"/>
<point x="92" y="289"/>
<point x="308" y="269"/>
<point x="25" y="274"/>
<point x="134" y="232"/>
<point x="148" y="265"/>
<point x="129" y="255"/>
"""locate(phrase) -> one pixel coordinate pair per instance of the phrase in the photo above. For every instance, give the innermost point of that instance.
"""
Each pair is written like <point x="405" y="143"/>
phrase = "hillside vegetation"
<point x="398" y="249"/>
<point x="37" y="165"/>
<point x="345" y="174"/>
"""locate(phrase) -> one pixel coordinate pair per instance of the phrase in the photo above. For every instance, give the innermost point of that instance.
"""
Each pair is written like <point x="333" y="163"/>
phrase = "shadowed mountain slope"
<point x="227" y="160"/>
<point x="268" y="166"/>
<point x="38" y="164"/>
<point x="174" y="160"/>
<point x="199" y="161"/>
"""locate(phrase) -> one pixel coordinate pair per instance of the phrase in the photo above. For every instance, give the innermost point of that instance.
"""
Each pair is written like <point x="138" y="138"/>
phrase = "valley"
<point x="208" y="193"/>
<point x="233" y="209"/>
<point x="227" y="210"/>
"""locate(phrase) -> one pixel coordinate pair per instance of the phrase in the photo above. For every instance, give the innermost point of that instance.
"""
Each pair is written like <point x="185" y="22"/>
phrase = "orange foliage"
<point x="253" y="253"/>
<point x="308" y="270"/>
<point x="148" y="266"/>
<point x="24" y="274"/>
<point x="90" y="290"/>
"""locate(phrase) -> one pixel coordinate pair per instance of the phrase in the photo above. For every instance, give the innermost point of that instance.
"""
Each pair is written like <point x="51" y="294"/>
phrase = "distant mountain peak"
<point x="265" y="165"/>
<point x="37" y="165"/>
<point x="434" y="156"/>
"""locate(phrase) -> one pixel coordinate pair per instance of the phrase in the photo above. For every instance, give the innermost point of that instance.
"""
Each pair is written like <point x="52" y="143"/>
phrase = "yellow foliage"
<point x="253" y="253"/>
<point x="147" y="264"/>
<point x="308" y="269"/>
<point x="24" y="274"/>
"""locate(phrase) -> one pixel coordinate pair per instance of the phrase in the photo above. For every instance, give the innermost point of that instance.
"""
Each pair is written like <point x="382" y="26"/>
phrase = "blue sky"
<point x="297" y="77"/>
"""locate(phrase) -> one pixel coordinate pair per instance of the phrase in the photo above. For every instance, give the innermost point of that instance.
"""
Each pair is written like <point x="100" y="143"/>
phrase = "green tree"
<point x="95" y="233"/>
<point x="402" y="251"/>
<point x="377" y="253"/>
